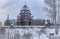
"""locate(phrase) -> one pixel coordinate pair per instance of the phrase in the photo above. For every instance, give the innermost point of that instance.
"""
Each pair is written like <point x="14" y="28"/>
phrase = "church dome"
<point x="25" y="7"/>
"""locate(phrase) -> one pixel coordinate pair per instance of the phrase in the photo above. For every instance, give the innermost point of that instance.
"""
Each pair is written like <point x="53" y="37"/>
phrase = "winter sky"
<point x="13" y="7"/>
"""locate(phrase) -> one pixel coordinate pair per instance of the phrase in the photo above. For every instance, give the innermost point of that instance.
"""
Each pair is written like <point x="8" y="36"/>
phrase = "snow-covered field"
<point x="31" y="32"/>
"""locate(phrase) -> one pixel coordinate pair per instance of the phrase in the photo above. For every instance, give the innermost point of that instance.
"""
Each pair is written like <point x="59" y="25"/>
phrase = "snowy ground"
<point x="29" y="33"/>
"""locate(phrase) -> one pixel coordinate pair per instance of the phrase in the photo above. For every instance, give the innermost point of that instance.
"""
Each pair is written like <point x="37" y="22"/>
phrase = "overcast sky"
<point x="13" y="7"/>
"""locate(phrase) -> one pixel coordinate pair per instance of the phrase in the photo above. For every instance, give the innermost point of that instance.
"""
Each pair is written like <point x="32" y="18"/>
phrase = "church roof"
<point x="25" y="7"/>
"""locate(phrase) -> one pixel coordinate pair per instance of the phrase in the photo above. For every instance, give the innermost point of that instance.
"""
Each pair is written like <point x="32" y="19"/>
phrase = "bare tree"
<point x="53" y="10"/>
<point x="52" y="5"/>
